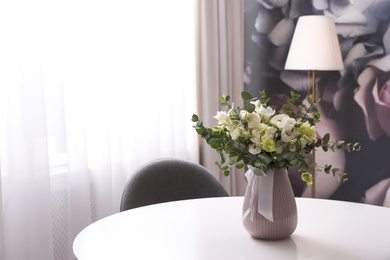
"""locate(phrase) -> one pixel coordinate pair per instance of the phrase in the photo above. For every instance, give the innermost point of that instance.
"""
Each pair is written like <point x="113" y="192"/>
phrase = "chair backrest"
<point x="165" y="180"/>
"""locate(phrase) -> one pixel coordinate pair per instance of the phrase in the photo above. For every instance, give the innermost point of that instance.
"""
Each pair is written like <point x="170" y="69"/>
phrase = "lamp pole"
<point x="314" y="47"/>
<point x="313" y="154"/>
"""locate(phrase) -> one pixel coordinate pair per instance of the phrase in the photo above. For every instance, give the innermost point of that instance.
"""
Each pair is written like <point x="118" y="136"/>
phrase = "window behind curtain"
<point x="89" y="91"/>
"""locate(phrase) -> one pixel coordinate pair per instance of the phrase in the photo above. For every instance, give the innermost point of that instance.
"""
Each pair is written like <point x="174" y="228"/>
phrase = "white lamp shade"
<point x="315" y="45"/>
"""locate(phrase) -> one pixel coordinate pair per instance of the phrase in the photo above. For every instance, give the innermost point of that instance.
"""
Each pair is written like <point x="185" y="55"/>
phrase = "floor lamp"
<point x="314" y="47"/>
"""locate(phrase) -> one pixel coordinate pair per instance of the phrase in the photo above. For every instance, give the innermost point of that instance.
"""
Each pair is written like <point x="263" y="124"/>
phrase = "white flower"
<point x="255" y="148"/>
<point x="279" y="147"/>
<point x="278" y="120"/>
<point x="223" y="118"/>
<point x="308" y="130"/>
<point x="234" y="131"/>
<point x="257" y="103"/>
<point x="255" y="135"/>
<point x="292" y="148"/>
<point x="253" y="119"/>
<point x="265" y="112"/>
<point x="303" y="141"/>
<point x="268" y="133"/>
<point x="286" y="136"/>
<point x="289" y="124"/>
<point x="246" y="133"/>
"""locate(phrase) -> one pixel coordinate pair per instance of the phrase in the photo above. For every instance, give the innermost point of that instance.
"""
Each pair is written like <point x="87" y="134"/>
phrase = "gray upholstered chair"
<point x="165" y="180"/>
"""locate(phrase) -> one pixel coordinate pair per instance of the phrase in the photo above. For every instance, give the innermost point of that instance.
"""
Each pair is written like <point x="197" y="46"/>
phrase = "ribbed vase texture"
<point x="284" y="211"/>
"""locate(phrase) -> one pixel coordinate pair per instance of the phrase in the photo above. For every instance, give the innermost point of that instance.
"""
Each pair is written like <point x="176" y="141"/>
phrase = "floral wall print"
<point x="355" y="102"/>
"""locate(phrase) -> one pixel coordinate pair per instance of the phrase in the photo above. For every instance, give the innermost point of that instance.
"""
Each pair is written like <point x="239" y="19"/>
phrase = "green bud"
<point x="307" y="178"/>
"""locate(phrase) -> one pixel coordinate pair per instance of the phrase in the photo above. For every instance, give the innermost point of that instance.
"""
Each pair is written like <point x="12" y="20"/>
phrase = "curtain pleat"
<point x="220" y="59"/>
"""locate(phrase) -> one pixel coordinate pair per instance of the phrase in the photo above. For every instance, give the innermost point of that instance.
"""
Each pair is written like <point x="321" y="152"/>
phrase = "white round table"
<point x="211" y="229"/>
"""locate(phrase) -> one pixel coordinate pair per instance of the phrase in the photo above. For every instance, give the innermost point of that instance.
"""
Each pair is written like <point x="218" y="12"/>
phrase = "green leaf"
<point x="224" y="104"/>
<point x="233" y="158"/>
<point x="224" y="167"/>
<point x="228" y="150"/>
<point x="240" y="165"/>
<point x="246" y="96"/>
<point x="357" y="147"/>
<point x="327" y="168"/>
<point x="308" y="98"/>
<point x="291" y="101"/>
<point x="295" y="96"/>
<point x="303" y="165"/>
<point x="332" y="146"/>
<point x="339" y="144"/>
<point x="226" y="173"/>
<point x="227" y="98"/>
<point x="222" y="158"/>
<point x="200" y="130"/>
<point x="281" y="164"/>
<point x="206" y="134"/>
<point x="259" y="172"/>
<point x="214" y="143"/>
<point x="250" y="107"/>
<point x="265" y="160"/>
<point x="289" y="156"/>
<point x="286" y="108"/>
<point x="195" y="118"/>
<point x="299" y="112"/>
<point x="326" y="138"/>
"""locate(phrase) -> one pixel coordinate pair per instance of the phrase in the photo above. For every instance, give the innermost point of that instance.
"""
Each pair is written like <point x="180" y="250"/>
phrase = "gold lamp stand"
<point x="314" y="47"/>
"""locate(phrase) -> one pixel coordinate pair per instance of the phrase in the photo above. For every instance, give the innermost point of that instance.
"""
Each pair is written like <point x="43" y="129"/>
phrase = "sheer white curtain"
<point x="89" y="91"/>
<point x="221" y="63"/>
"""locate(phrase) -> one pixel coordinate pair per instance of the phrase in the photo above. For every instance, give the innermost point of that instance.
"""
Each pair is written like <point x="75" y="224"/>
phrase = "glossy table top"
<point x="211" y="229"/>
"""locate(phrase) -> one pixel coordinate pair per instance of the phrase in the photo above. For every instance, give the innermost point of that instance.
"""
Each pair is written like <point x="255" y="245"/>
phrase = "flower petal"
<point x="270" y="4"/>
<point x="382" y="106"/>
<point x="379" y="194"/>
<point x="364" y="98"/>
<point x="339" y="98"/>
<point x="339" y="8"/>
<point x="351" y="18"/>
<point x="386" y="39"/>
<point x="382" y="63"/>
<point x="381" y="9"/>
<point x="279" y="55"/>
<point x="355" y="29"/>
<point x="320" y="4"/>
<point x="282" y="32"/>
<point x="356" y="60"/>
<point x="297" y="80"/>
<point x="267" y="19"/>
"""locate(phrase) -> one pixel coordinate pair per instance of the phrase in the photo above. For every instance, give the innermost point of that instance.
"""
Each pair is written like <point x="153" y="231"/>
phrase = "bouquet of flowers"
<point x="263" y="138"/>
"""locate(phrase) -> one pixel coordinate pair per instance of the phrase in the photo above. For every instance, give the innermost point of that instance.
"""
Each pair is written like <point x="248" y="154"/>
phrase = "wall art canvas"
<point x="355" y="102"/>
